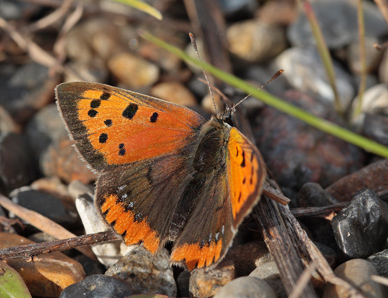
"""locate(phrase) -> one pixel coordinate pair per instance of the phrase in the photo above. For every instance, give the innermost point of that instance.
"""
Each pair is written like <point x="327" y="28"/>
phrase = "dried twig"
<point x="31" y="250"/>
<point x="42" y="223"/>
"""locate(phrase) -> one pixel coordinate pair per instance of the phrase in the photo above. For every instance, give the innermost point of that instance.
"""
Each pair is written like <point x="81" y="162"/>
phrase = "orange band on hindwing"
<point x="124" y="223"/>
<point x="195" y="256"/>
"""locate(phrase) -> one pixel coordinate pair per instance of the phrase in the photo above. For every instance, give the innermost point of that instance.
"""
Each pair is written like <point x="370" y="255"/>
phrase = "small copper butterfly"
<point x="165" y="174"/>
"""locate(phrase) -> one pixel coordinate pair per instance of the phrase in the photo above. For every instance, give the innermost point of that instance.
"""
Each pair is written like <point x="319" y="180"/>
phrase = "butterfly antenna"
<point x="278" y="73"/>
<point x="194" y="43"/>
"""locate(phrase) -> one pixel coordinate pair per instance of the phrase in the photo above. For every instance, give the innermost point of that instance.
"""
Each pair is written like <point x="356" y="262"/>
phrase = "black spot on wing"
<point x="94" y="104"/>
<point x="103" y="138"/>
<point x="243" y="161"/>
<point x="108" y="122"/>
<point x="154" y="117"/>
<point x="105" y="96"/>
<point x="92" y="113"/>
<point x="130" y="111"/>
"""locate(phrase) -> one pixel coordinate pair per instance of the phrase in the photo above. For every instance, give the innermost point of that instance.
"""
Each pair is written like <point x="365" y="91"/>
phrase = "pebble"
<point x="43" y="203"/>
<point x="383" y="68"/>
<point x="133" y="71"/>
<point x="268" y="271"/>
<point x="313" y="195"/>
<point x="49" y="275"/>
<point x="305" y="72"/>
<point x="238" y="8"/>
<point x="62" y="160"/>
<point x="107" y="253"/>
<point x="94" y="38"/>
<point x="358" y="273"/>
<point x="361" y="229"/>
<point x="98" y="285"/>
<point x="183" y="282"/>
<point x="374" y="102"/>
<point x="6" y="122"/>
<point x="16" y="162"/>
<point x="338" y="22"/>
<point x="207" y="282"/>
<point x="375" y="128"/>
<point x="30" y="87"/>
<point x="380" y="261"/>
<point x="372" y="55"/>
<point x="147" y="273"/>
<point x="207" y="103"/>
<point x="244" y="287"/>
<point x="246" y="257"/>
<point x="295" y="151"/>
<point x="373" y="176"/>
<point x="256" y="41"/>
<point x="90" y="71"/>
<point x="45" y="127"/>
<point x="174" y="92"/>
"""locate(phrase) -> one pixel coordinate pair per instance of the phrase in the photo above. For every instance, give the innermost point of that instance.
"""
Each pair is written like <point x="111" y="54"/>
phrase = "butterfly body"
<point x="165" y="174"/>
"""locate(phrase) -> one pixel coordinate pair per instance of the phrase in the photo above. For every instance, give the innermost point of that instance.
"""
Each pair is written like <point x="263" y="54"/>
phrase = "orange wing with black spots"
<point x="112" y="126"/>
<point x="246" y="173"/>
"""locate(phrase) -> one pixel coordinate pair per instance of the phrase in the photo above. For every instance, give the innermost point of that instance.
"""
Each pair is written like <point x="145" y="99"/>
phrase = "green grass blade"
<point x="140" y="5"/>
<point x="275" y="102"/>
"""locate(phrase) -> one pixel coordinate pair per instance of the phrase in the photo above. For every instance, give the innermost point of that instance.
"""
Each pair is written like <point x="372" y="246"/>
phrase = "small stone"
<point x="174" y="92"/>
<point x="338" y="22"/>
<point x="361" y="229"/>
<point x="243" y="287"/>
<point x="62" y="160"/>
<point x="45" y="127"/>
<point x="48" y="276"/>
<point x="374" y="102"/>
<point x="295" y="151"/>
<point x="308" y="75"/>
<point x="6" y="122"/>
<point x="207" y="282"/>
<point x="313" y="195"/>
<point x="373" y="176"/>
<point x="358" y="273"/>
<point x="16" y="162"/>
<point x="147" y="273"/>
<point x="44" y="204"/>
<point x="133" y="71"/>
<point x="30" y="87"/>
<point x="246" y="257"/>
<point x="238" y="8"/>
<point x="207" y="103"/>
<point x="95" y="37"/>
<point x="256" y="41"/>
<point x="107" y="253"/>
<point x="372" y="56"/>
<point x="98" y="285"/>
<point x="380" y="261"/>
<point x="268" y="271"/>
<point x="90" y="71"/>
<point x="183" y="282"/>
<point x="383" y="68"/>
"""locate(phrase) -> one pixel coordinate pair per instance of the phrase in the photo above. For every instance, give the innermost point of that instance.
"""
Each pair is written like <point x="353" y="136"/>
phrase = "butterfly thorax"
<point x="210" y="152"/>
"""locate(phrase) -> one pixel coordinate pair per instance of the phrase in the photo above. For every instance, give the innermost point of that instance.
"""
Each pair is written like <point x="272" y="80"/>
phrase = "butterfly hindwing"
<point x="113" y="126"/>
<point x="220" y="207"/>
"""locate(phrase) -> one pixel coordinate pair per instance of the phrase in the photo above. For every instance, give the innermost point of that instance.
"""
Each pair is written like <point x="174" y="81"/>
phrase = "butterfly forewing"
<point x="112" y="126"/>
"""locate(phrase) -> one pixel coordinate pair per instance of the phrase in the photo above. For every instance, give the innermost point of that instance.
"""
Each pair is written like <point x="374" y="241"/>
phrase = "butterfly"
<point x="165" y="173"/>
